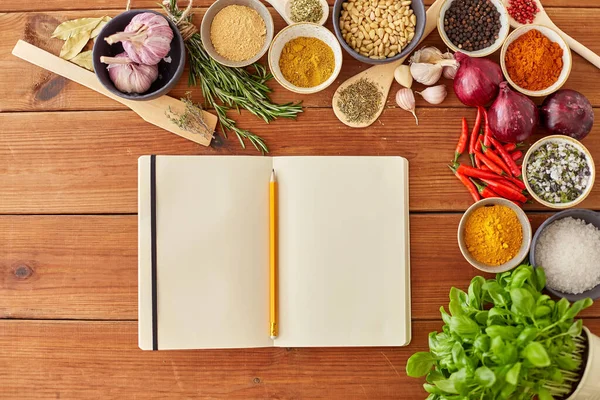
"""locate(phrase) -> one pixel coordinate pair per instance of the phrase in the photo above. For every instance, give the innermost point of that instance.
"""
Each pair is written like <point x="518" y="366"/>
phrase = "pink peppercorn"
<point x="523" y="11"/>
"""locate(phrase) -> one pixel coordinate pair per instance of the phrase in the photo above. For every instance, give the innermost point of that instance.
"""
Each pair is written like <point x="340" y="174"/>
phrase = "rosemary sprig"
<point x="225" y="88"/>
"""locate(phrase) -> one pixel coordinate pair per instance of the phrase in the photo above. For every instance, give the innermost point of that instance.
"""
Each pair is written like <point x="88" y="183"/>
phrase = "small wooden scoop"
<point x="542" y="18"/>
<point x="153" y="111"/>
<point x="283" y="8"/>
<point x="383" y="75"/>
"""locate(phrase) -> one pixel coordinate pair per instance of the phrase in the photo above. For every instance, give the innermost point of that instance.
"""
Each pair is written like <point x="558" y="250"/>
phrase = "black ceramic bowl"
<point x="168" y="73"/>
<point x="590" y="217"/>
<point x="418" y="9"/>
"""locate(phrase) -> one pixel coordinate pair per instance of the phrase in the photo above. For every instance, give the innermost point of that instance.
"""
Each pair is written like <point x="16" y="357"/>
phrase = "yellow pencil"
<point x="274" y="329"/>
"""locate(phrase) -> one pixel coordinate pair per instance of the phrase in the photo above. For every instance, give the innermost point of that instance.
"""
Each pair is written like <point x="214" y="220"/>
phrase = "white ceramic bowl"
<point x="581" y="148"/>
<point x="286" y="6"/>
<point x="210" y="15"/>
<point x="553" y="36"/>
<point x="527" y="234"/>
<point x="303" y="29"/>
<point x="502" y="34"/>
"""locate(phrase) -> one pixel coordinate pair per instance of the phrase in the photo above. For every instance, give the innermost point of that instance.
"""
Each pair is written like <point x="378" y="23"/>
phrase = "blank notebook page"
<point x="344" y="251"/>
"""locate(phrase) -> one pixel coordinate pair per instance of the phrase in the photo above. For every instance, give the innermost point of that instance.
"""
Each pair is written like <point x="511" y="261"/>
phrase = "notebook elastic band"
<point x="153" y="235"/>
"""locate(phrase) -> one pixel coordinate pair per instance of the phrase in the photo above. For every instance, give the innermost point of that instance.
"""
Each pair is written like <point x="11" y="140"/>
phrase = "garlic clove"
<point x="403" y="76"/>
<point x="430" y="55"/>
<point x="435" y="94"/>
<point x="406" y="101"/>
<point x="427" y="74"/>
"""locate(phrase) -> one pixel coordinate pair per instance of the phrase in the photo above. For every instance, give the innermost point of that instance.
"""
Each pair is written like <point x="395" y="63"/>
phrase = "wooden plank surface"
<point x="35" y="89"/>
<point x="85" y="267"/>
<point x="86" y="162"/>
<point x="91" y="360"/>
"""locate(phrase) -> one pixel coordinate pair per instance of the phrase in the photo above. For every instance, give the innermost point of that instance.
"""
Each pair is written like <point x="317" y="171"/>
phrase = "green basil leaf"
<point x="557" y="376"/>
<point x="519" y="278"/>
<point x="567" y="363"/>
<point x="482" y="343"/>
<point x="432" y="389"/>
<point x="460" y="381"/>
<point x="576" y="328"/>
<point x="505" y="332"/>
<point x="542" y="311"/>
<point x="496" y="292"/>
<point x="497" y="346"/>
<point x="561" y="308"/>
<point x="445" y="316"/>
<point x="419" y="364"/>
<point x="507" y="391"/>
<point x="577" y="307"/>
<point x="447" y="385"/>
<point x="510" y="355"/>
<point x="527" y="335"/>
<point x="536" y="354"/>
<point x="481" y="317"/>
<point x="434" y="375"/>
<point x="540" y="276"/>
<point x="464" y="326"/>
<point x="512" y="376"/>
<point x="523" y="303"/>
<point x="475" y="292"/>
<point x="542" y="299"/>
<point x="485" y="377"/>
<point x="544" y="394"/>
<point x="455" y="308"/>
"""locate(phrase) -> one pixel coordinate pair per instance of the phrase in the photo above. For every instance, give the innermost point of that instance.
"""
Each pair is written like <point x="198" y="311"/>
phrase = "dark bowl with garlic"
<point x="126" y="74"/>
<point x="379" y="32"/>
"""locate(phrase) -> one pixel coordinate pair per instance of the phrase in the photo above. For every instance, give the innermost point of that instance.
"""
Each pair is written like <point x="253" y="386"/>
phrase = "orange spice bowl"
<point x="552" y="35"/>
<point x="525" y="245"/>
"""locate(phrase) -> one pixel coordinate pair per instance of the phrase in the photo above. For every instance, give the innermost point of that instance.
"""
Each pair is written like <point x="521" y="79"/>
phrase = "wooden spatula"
<point x="542" y="18"/>
<point x="383" y="75"/>
<point x="152" y="111"/>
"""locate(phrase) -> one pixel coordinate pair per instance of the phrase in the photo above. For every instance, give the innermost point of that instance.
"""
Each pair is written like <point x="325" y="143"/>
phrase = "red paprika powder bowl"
<point x="518" y="69"/>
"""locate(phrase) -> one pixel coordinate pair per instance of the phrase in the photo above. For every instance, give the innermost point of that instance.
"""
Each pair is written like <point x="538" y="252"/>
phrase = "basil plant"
<point x="504" y="339"/>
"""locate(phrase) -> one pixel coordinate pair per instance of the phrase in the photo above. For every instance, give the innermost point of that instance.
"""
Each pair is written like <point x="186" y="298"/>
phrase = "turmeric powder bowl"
<point x="559" y="78"/>
<point x="318" y="60"/>
<point x="494" y="235"/>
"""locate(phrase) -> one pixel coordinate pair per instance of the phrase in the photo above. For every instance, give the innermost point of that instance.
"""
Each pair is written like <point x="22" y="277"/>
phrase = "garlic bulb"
<point x="430" y="55"/>
<point x="406" y="101"/>
<point x="434" y="94"/>
<point x="427" y="74"/>
<point x="128" y="76"/>
<point x="403" y="76"/>
<point x="449" y="71"/>
<point x="147" y="38"/>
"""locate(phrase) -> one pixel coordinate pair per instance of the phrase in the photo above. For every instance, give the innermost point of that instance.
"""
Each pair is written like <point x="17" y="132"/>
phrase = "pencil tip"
<point x="273" y="175"/>
<point x="273" y="337"/>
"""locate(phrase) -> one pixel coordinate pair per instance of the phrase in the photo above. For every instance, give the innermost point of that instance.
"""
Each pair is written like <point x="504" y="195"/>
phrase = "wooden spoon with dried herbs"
<point x="225" y="88"/>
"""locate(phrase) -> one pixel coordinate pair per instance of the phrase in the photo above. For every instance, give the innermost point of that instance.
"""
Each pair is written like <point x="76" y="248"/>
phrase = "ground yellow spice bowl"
<point x="522" y="251"/>
<point x="308" y="30"/>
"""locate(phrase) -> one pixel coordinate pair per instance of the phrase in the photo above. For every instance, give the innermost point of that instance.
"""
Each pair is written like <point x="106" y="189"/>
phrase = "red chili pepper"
<point x="487" y="132"/>
<point x="505" y="191"/>
<point x="489" y="153"/>
<point x="516" y="171"/>
<point x="469" y="185"/>
<point x="510" y="147"/>
<point x="474" y="172"/>
<point x="462" y="141"/>
<point x="475" y="135"/>
<point x="484" y="191"/>
<point x="490" y="164"/>
<point x="517" y="182"/>
<point x="516" y="155"/>
<point x="508" y="183"/>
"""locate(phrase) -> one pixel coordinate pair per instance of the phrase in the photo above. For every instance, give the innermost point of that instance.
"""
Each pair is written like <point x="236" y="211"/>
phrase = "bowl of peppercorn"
<point x="475" y="27"/>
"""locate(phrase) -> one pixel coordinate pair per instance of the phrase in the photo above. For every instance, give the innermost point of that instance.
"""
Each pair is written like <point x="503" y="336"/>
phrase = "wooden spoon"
<point x="383" y="75"/>
<point x="542" y="18"/>
<point x="153" y="111"/>
<point x="283" y="8"/>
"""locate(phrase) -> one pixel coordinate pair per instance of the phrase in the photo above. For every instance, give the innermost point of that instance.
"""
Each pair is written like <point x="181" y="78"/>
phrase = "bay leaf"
<point x="98" y="28"/>
<point x="73" y="27"/>
<point x="75" y="44"/>
<point x="84" y="60"/>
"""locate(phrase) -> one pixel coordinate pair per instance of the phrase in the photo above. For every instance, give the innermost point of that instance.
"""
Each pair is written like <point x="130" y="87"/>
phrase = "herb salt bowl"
<point x="527" y="233"/>
<point x="553" y="36"/>
<point x="504" y="28"/>
<point x="169" y="73"/>
<point x="581" y="148"/>
<point x="590" y="217"/>
<point x="214" y="9"/>
<point x="304" y="29"/>
<point x="418" y="9"/>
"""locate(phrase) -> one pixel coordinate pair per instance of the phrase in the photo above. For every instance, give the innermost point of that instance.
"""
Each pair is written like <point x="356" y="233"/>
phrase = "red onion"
<point x="513" y="116"/>
<point x="476" y="81"/>
<point x="567" y="112"/>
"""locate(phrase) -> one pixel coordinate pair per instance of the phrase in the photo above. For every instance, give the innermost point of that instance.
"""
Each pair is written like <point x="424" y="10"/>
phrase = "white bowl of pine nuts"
<point x="379" y="31"/>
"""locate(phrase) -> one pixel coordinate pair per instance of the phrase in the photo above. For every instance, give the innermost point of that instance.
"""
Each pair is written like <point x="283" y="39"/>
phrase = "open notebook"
<point x="204" y="252"/>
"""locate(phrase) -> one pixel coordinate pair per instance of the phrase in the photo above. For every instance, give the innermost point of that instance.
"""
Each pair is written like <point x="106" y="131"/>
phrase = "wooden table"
<point x="68" y="243"/>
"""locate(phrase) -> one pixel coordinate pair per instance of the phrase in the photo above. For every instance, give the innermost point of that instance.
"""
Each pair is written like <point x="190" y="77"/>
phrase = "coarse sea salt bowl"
<point x="214" y="9"/>
<point x="553" y="36"/>
<point x="581" y="148"/>
<point x="304" y="29"/>
<point x="169" y="73"/>
<point x="525" y="225"/>
<point x="590" y="217"/>
<point x="502" y="34"/>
